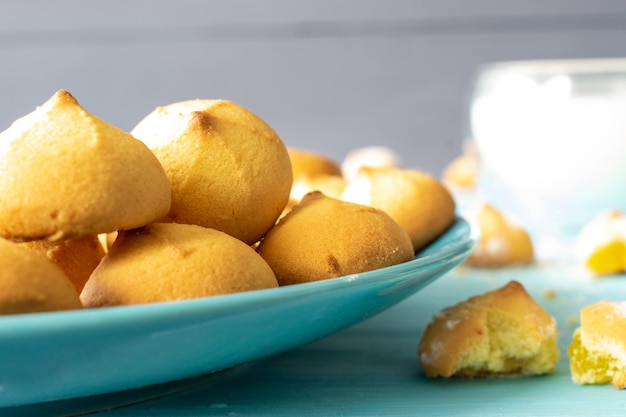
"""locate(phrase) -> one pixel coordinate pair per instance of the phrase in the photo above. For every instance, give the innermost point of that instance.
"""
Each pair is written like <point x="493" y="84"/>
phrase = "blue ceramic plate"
<point x="54" y="356"/>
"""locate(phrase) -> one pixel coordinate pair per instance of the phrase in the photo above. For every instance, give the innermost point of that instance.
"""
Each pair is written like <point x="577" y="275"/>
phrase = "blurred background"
<point x="328" y="75"/>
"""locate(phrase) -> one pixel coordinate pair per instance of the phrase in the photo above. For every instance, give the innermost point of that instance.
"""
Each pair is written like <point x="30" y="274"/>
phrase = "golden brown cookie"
<point x="461" y="172"/>
<point x="329" y="185"/>
<point x="313" y="171"/>
<point x="31" y="283"/>
<point x="169" y="261"/>
<point x="228" y="169"/>
<point x="502" y="242"/>
<point x="66" y="173"/>
<point x="420" y="203"/>
<point x="306" y="164"/>
<point x="503" y="332"/>
<point x="323" y="238"/>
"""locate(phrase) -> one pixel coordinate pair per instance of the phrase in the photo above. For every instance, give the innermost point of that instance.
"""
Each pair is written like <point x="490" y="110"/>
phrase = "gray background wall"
<point x="327" y="75"/>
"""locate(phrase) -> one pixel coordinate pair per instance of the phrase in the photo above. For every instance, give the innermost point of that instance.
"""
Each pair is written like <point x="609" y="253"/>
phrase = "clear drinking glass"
<point x="551" y="141"/>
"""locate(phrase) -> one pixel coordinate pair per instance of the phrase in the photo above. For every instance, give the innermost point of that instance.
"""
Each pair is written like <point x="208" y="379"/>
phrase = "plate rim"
<point x="22" y="324"/>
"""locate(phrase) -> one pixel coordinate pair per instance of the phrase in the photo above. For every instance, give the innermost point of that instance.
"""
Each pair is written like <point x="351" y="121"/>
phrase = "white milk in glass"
<point x="551" y="139"/>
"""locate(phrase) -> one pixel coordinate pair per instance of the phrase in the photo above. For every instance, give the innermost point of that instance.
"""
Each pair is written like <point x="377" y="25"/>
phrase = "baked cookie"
<point x="170" y="261"/>
<point x="420" y="203"/>
<point x="502" y="242"/>
<point x="313" y="172"/>
<point x="306" y="164"/>
<point x="228" y="169"/>
<point x="461" y="172"/>
<point x="329" y="185"/>
<point x="323" y="238"/>
<point x="65" y="173"/>
<point x="503" y="332"/>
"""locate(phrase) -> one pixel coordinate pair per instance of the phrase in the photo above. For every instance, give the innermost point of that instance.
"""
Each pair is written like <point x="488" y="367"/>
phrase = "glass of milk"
<point x="551" y="141"/>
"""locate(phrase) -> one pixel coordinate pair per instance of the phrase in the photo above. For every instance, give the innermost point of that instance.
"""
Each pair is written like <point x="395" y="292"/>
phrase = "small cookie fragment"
<point x="601" y="244"/>
<point x="502" y="242"/>
<point x="598" y="349"/>
<point x="503" y="332"/>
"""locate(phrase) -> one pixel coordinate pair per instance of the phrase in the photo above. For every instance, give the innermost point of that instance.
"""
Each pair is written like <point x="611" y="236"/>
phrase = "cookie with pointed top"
<point x="322" y="238"/>
<point x="66" y="173"/>
<point x="228" y="169"/>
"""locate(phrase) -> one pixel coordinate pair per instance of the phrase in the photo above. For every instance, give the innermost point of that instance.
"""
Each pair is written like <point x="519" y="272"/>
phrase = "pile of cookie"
<point x="200" y="198"/>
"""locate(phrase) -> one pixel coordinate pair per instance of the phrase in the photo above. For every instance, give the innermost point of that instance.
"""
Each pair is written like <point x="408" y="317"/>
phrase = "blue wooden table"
<point x="371" y="369"/>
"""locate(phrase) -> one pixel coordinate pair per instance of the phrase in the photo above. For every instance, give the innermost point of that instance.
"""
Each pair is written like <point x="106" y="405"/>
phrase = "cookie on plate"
<point x="65" y="173"/>
<point x="169" y="262"/>
<point x="228" y="169"/>
<point x="417" y="201"/>
<point x="323" y="238"/>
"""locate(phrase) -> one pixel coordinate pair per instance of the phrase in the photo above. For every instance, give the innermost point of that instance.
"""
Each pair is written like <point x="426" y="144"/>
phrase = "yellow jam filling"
<point x="608" y="259"/>
<point x="590" y="367"/>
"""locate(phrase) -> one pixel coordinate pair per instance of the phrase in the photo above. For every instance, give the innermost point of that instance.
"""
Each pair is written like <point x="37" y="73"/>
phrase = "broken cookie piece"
<point x="503" y="332"/>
